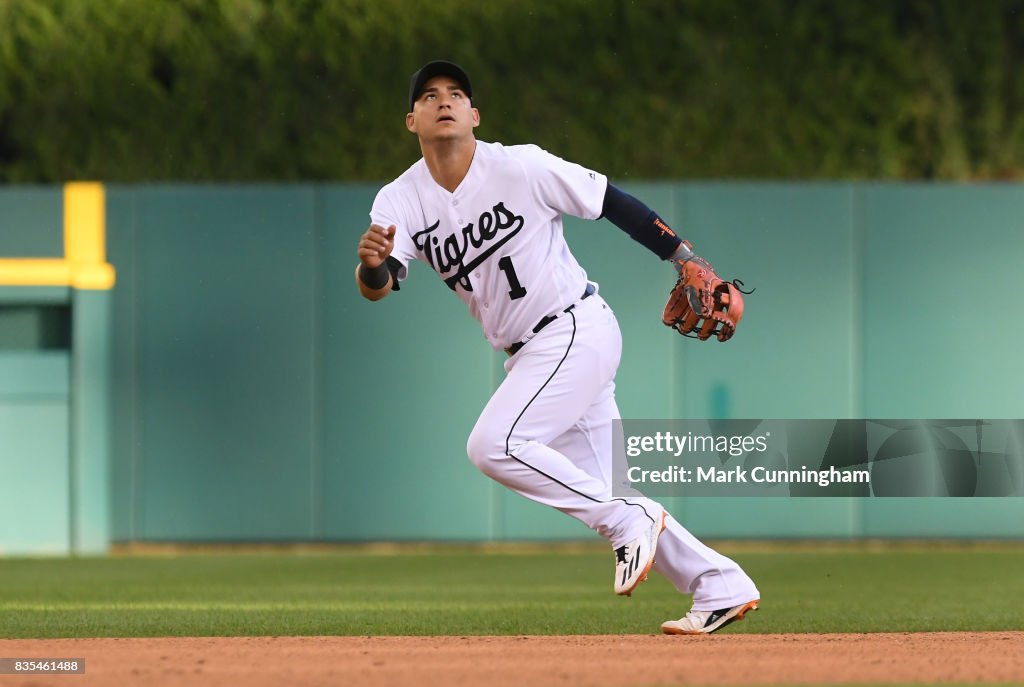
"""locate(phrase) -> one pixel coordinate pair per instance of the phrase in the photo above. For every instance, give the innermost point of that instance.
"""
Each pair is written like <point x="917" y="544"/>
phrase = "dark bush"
<point x="137" y="90"/>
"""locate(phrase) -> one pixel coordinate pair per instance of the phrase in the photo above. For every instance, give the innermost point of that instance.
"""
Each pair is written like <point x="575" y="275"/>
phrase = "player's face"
<point x="443" y="111"/>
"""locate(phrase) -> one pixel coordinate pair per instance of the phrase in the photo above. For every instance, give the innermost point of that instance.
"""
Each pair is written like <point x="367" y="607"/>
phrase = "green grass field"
<point x="473" y="592"/>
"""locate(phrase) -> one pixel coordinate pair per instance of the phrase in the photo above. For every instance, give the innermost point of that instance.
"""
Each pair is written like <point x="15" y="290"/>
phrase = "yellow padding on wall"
<point x="85" y="223"/>
<point x="94" y="277"/>
<point x="35" y="272"/>
<point x="85" y="247"/>
<point x="54" y="272"/>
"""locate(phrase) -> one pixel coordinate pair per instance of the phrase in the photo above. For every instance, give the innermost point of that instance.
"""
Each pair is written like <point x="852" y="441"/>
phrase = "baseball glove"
<point x="704" y="303"/>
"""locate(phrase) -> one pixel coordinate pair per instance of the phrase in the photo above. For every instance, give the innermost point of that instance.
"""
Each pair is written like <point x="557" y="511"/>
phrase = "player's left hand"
<point x="702" y="302"/>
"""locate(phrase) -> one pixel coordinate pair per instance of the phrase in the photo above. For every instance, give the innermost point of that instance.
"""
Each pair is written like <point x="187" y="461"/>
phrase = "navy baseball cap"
<point x="438" y="68"/>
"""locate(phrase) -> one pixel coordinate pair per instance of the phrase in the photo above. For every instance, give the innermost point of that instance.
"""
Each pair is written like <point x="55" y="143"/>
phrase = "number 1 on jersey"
<point x="517" y="291"/>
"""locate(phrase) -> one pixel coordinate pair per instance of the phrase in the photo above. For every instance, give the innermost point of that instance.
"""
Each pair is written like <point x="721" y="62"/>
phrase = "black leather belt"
<point x="548" y="319"/>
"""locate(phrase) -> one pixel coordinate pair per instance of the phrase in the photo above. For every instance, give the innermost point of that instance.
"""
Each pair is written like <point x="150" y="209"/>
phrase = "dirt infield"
<point x="632" y="660"/>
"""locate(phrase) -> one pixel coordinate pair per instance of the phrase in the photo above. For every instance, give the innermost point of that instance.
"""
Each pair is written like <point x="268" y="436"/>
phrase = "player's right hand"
<point x="376" y="245"/>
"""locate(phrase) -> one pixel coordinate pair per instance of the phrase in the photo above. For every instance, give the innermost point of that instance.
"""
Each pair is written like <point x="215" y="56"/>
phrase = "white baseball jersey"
<point x="497" y="240"/>
<point x="547" y="431"/>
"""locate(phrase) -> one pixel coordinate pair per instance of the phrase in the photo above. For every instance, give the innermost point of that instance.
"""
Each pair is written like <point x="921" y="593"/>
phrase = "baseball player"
<point x="488" y="219"/>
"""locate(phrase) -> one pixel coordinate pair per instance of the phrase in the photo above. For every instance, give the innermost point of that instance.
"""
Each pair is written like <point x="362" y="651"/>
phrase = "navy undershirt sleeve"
<point x="393" y="267"/>
<point x="640" y="222"/>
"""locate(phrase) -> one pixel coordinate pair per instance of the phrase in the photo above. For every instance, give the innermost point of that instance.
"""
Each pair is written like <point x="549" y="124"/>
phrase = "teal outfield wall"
<point x="258" y="397"/>
<point x="55" y="374"/>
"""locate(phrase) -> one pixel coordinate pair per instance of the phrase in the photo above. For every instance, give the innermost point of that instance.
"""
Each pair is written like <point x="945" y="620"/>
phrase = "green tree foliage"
<point x="138" y="90"/>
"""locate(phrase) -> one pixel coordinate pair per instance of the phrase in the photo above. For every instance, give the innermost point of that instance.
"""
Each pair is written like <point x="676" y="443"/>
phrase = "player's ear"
<point x="476" y="117"/>
<point x="410" y="122"/>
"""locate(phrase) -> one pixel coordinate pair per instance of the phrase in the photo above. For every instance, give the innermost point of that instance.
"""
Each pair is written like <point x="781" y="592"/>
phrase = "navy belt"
<point x="548" y="319"/>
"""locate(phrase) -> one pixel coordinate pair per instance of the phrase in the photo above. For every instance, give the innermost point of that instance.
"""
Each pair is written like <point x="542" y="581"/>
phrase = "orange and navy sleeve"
<point x="640" y="222"/>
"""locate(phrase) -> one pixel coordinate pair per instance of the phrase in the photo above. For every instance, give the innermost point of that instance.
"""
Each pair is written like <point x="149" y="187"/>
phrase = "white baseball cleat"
<point x="634" y="560"/>
<point x="706" y="622"/>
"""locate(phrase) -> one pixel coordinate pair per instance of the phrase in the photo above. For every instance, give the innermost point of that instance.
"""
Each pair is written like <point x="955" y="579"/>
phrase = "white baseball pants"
<point x="547" y="434"/>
